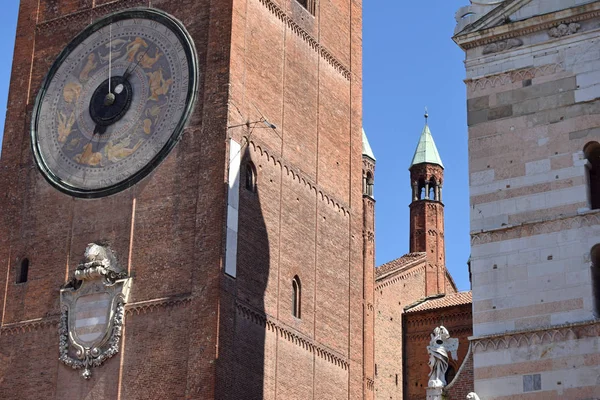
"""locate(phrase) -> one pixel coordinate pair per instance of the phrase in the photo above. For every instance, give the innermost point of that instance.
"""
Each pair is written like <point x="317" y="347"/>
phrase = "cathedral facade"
<point x="533" y="89"/>
<point x="183" y="200"/>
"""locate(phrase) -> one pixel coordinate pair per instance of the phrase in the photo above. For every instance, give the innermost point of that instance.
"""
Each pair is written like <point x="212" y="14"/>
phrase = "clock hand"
<point x="128" y="71"/>
<point x="109" y="57"/>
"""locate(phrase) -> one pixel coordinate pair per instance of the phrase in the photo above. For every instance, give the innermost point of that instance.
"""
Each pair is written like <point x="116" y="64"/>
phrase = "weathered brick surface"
<point x="463" y="383"/>
<point x="229" y="338"/>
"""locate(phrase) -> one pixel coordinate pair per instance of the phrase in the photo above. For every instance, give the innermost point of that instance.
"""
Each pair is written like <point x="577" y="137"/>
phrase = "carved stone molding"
<point x="513" y="76"/>
<point x="296" y="338"/>
<point x="523" y="28"/>
<point x="535" y="228"/>
<point x="564" y="30"/>
<point x="532" y="337"/>
<point x="502" y="45"/>
<point x="312" y="42"/>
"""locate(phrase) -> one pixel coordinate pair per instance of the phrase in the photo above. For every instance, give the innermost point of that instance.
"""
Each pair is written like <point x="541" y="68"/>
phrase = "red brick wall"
<point x="392" y="294"/>
<point x="418" y="328"/>
<point x="306" y="217"/>
<point x="463" y="383"/>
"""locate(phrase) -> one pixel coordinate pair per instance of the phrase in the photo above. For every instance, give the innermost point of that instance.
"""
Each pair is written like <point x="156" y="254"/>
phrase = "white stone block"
<point x="587" y="94"/>
<point x="482" y="177"/>
<point x="536" y="167"/>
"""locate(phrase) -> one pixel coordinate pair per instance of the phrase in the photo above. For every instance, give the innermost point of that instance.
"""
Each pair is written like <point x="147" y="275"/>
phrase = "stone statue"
<point x="438" y="357"/>
<point x="472" y="396"/>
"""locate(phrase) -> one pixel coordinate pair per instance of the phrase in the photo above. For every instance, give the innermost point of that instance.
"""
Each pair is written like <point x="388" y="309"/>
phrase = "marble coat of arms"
<point x="93" y="310"/>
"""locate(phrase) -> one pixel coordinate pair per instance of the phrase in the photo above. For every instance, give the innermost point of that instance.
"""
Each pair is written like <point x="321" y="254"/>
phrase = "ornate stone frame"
<point x="100" y="274"/>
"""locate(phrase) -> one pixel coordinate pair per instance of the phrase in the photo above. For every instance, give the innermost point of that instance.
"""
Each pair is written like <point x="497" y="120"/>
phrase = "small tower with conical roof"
<point x="427" y="211"/>
<point x="368" y="169"/>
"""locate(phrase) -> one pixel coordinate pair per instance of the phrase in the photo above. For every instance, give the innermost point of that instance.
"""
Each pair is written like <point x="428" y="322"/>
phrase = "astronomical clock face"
<point x="114" y="103"/>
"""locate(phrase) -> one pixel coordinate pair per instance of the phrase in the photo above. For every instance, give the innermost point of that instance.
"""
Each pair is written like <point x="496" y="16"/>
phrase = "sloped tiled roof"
<point x="404" y="262"/>
<point x="449" y="300"/>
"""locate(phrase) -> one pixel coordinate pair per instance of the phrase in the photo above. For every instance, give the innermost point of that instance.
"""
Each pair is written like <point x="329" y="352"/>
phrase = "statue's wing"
<point x="451" y="346"/>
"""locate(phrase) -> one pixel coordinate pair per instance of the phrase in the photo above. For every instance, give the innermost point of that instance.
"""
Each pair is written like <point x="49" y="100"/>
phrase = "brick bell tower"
<point x="427" y="211"/>
<point x="203" y="158"/>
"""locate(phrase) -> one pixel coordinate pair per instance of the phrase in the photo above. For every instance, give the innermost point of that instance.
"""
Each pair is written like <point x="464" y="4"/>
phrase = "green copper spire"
<point x="367" y="147"/>
<point x="426" y="151"/>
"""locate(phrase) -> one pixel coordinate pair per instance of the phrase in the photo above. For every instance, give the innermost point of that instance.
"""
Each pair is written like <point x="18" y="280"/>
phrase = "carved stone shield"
<point x="93" y="308"/>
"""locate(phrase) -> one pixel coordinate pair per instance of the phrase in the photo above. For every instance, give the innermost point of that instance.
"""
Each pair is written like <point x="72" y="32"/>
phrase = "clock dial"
<point x="114" y="103"/>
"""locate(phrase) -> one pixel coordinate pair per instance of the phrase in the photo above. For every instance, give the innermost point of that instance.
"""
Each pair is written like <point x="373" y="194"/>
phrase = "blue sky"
<point x="409" y="62"/>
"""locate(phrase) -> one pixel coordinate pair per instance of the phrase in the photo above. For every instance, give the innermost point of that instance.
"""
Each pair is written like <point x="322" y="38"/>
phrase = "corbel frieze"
<point x="513" y="76"/>
<point x="533" y="337"/>
<point x="287" y="333"/>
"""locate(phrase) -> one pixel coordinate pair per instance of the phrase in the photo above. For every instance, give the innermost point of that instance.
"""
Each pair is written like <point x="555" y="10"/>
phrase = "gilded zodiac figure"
<point x="65" y="126"/>
<point x="71" y="92"/>
<point x="120" y="150"/>
<point x="89" y="66"/>
<point x="147" y="61"/>
<point x="88" y="156"/>
<point x="133" y="47"/>
<point x="158" y="84"/>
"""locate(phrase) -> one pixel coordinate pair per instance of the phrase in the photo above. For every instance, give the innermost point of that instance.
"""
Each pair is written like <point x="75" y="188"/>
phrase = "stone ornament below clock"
<point x="93" y="310"/>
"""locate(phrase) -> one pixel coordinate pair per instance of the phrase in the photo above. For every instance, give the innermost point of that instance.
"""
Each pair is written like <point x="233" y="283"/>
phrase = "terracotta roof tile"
<point x="399" y="263"/>
<point x="450" y="300"/>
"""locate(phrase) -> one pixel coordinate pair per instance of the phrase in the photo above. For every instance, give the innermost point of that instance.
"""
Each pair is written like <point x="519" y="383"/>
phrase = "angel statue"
<point x="438" y="349"/>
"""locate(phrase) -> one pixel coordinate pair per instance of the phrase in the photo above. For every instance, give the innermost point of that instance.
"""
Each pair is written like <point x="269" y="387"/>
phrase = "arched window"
<point x="23" y="271"/>
<point x="595" y="253"/>
<point x="369" y="184"/>
<point x="432" y="190"/>
<point x="250" y="177"/>
<point x="592" y="153"/>
<point x="296" y="297"/>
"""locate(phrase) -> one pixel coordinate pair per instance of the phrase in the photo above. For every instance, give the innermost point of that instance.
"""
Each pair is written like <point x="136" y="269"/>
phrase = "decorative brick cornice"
<point x="299" y="177"/>
<point x="291" y="335"/>
<point x="143" y="307"/>
<point x="554" y="334"/>
<point x="79" y="19"/>
<point x="536" y="228"/>
<point x="276" y="10"/>
<point x="513" y="76"/>
<point x="426" y="336"/>
<point x="403" y="276"/>
<point x="30" y="325"/>
<point x="450" y="314"/>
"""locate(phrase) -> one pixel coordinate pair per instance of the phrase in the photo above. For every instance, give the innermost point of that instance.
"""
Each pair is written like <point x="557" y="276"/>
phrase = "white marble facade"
<point x="533" y="89"/>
